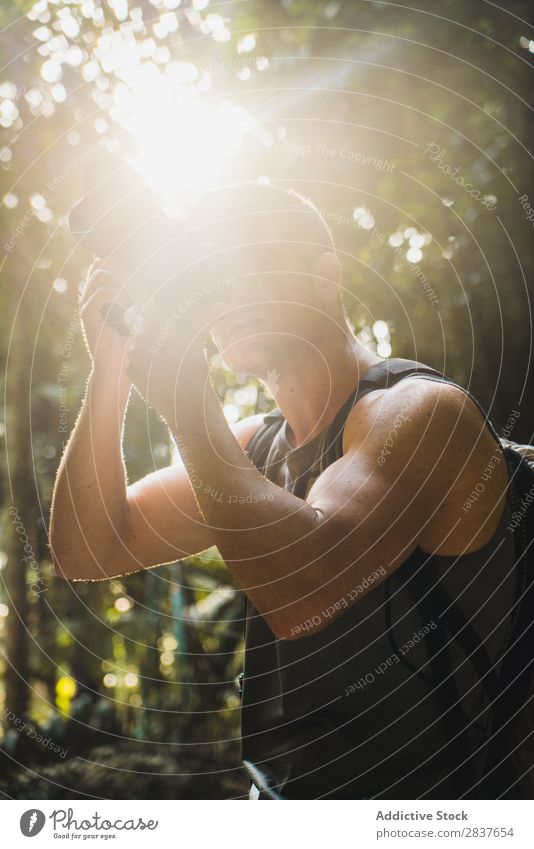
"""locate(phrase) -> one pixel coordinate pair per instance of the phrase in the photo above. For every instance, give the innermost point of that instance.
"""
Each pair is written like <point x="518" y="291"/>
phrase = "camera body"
<point x="118" y="219"/>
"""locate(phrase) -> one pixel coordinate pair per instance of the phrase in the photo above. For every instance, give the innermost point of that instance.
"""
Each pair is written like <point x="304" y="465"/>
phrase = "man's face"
<point x="271" y="309"/>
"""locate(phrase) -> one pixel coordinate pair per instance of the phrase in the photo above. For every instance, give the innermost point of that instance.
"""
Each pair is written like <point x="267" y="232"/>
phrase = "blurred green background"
<point x="126" y="688"/>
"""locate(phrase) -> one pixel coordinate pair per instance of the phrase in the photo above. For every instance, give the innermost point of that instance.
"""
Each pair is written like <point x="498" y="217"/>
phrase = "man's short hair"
<point x="273" y="213"/>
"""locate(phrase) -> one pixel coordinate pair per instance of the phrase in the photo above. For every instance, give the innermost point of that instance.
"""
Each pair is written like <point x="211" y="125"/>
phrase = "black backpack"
<point x="509" y="748"/>
<point x="509" y="760"/>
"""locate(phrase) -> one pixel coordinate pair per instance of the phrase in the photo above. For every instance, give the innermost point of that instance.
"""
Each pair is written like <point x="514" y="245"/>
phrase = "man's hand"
<point x="166" y="359"/>
<point x="103" y="292"/>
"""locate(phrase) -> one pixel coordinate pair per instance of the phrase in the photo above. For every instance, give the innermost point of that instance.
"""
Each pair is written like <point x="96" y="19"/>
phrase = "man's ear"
<point x="327" y="276"/>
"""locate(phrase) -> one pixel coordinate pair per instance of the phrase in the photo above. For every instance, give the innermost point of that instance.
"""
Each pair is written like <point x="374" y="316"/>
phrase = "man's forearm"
<point x="89" y="506"/>
<point x="272" y="541"/>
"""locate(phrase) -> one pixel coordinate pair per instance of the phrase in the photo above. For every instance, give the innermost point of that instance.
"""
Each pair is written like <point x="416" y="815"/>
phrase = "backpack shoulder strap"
<point x="389" y="372"/>
<point x="380" y="376"/>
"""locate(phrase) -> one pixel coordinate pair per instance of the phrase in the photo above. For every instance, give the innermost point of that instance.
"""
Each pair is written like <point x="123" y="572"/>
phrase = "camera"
<point x="119" y="219"/>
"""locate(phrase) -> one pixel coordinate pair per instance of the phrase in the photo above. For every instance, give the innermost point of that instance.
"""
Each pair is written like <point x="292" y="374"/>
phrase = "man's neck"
<point x="312" y="389"/>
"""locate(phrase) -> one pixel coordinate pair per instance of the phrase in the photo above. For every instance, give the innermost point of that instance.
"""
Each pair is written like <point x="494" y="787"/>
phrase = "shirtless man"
<point x="309" y="564"/>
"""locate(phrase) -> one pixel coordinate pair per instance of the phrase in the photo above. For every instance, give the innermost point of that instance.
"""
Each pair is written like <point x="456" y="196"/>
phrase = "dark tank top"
<point x="383" y="702"/>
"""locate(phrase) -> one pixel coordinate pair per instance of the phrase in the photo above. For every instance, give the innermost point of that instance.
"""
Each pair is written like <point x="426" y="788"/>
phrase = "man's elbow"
<point x="70" y="570"/>
<point x="72" y="567"/>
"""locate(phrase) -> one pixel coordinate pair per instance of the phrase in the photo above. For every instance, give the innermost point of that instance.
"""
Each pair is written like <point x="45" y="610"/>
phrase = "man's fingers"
<point x="134" y="321"/>
<point x="147" y="319"/>
<point x="101" y="297"/>
<point x="95" y="277"/>
<point x="108" y="273"/>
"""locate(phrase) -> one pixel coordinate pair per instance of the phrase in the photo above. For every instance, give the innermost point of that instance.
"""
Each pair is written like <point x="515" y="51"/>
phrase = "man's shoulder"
<point x="417" y="412"/>
<point x="434" y="434"/>
<point x="419" y="395"/>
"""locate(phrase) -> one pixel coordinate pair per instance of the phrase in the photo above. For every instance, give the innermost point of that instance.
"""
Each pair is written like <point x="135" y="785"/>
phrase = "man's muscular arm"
<point x="101" y="527"/>
<point x="295" y="558"/>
